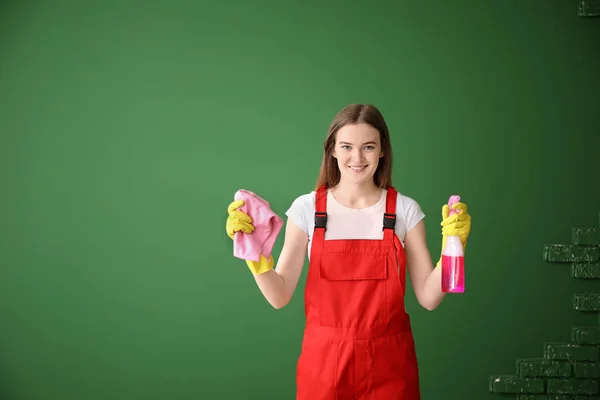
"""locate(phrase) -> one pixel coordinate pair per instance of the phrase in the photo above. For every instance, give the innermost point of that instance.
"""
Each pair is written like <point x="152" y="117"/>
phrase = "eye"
<point x="370" y="147"/>
<point x="345" y="147"/>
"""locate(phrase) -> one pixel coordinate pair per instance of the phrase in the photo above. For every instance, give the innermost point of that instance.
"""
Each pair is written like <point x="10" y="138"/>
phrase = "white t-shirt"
<point x="353" y="223"/>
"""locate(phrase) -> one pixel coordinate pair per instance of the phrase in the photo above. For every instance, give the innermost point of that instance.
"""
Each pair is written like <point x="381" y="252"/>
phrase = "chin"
<point x="364" y="180"/>
<point x="365" y="176"/>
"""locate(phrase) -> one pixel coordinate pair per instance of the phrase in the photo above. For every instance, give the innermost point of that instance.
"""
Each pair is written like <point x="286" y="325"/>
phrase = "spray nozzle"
<point x="451" y="201"/>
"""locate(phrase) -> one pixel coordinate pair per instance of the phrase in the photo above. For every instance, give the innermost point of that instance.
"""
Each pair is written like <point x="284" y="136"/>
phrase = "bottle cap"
<point x="452" y="200"/>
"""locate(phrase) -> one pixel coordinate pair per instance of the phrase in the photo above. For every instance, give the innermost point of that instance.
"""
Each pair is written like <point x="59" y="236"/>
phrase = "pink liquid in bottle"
<point x="453" y="274"/>
<point x="453" y="260"/>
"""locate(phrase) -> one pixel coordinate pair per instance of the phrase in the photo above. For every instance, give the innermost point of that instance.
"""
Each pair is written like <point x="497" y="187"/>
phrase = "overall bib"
<point x="358" y="342"/>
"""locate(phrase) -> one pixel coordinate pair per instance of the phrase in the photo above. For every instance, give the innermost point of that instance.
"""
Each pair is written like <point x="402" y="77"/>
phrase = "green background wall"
<point x="126" y="128"/>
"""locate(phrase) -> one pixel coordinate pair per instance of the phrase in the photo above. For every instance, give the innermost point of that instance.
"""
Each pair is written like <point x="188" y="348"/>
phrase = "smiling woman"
<point x="360" y="132"/>
<point x="357" y="152"/>
<point x="361" y="237"/>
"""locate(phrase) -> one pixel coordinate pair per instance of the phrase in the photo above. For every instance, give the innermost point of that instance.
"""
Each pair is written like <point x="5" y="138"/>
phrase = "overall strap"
<point x="320" y="218"/>
<point x="321" y="201"/>
<point x="389" y="218"/>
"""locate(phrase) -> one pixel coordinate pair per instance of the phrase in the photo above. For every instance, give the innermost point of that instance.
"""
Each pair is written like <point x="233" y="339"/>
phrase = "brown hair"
<point x="329" y="174"/>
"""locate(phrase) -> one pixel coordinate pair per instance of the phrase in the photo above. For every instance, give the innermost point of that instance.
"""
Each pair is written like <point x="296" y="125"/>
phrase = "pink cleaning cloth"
<point x="266" y="223"/>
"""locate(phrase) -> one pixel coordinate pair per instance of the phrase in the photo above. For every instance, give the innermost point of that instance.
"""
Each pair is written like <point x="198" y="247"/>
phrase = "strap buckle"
<point x="320" y="220"/>
<point x="389" y="221"/>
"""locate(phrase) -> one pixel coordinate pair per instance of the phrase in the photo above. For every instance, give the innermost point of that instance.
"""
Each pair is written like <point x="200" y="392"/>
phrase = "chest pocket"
<point x="353" y="289"/>
<point x="353" y="266"/>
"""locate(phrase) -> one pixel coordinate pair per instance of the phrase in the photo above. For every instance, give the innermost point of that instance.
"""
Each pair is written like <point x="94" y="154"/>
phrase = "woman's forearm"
<point x="272" y="286"/>
<point x="432" y="289"/>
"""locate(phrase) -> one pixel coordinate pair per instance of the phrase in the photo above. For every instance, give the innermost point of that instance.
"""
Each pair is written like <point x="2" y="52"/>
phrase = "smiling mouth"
<point x="357" y="168"/>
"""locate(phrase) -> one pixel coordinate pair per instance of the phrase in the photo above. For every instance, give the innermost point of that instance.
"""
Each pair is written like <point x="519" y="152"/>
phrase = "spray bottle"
<point x="453" y="259"/>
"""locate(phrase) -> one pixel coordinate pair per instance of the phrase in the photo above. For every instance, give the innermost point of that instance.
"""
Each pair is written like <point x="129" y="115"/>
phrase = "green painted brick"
<point x="546" y="397"/>
<point x="586" y="301"/>
<point x="587" y="370"/>
<point x="589" y="8"/>
<point x="571" y="253"/>
<point x="573" y="386"/>
<point x="571" y="352"/>
<point x="585" y="271"/>
<point x="555" y="397"/>
<point x="585" y="334"/>
<point x="568" y="371"/>
<point x="543" y="367"/>
<point x="584" y="236"/>
<point x="516" y="384"/>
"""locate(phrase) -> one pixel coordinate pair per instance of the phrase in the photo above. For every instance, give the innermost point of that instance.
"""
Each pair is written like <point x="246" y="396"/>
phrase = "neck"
<point x="357" y="195"/>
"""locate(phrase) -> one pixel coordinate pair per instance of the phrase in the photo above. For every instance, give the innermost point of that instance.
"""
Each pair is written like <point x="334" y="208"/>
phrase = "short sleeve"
<point x="413" y="214"/>
<point x="299" y="211"/>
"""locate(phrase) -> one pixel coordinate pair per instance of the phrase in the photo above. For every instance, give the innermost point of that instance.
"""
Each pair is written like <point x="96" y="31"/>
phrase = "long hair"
<point x="329" y="174"/>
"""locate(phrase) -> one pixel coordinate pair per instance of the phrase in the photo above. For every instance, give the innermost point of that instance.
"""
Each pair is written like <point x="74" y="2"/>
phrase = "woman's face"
<point x="357" y="150"/>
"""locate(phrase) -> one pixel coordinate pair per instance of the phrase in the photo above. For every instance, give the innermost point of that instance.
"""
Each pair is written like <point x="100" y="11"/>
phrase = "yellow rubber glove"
<point x="455" y="225"/>
<point x="261" y="266"/>
<point x="238" y="221"/>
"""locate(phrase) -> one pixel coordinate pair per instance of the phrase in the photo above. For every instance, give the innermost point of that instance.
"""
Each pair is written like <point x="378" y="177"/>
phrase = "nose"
<point x="357" y="154"/>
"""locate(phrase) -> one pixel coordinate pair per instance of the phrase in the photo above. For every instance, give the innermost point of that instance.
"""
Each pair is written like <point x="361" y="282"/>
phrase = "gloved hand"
<point x="455" y="225"/>
<point x="238" y="221"/>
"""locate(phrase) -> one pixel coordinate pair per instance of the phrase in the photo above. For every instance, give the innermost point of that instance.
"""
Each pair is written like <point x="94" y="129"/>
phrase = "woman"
<point x="361" y="237"/>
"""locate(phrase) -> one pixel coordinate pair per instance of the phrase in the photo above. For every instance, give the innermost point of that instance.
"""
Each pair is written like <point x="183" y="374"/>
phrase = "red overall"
<point x="358" y="343"/>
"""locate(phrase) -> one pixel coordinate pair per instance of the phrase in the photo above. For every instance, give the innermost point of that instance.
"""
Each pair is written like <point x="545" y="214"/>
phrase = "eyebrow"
<point x="371" y="142"/>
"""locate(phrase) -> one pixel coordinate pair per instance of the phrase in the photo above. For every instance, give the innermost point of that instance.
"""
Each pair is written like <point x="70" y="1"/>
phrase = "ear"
<point x="381" y="154"/>
<point x="333" y="154"/>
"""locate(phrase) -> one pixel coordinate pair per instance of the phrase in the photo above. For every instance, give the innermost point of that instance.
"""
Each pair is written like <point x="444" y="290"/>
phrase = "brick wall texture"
<point x="569" y="370"/>
<point x="589" y="8"/>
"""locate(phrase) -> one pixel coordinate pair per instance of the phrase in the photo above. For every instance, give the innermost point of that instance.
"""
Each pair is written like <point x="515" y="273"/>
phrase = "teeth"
<point x="357" y="168"/>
